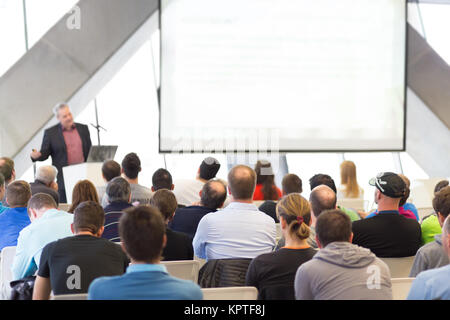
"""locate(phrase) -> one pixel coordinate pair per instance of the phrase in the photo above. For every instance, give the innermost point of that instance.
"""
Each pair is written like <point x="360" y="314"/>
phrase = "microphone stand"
<point x="97" y="126"/>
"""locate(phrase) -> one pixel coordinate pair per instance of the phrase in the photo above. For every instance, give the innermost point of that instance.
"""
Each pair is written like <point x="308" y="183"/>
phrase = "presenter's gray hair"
<point x="58" y="107"/>
<point x="46" y="174"/>
<point x="118" y="189"/>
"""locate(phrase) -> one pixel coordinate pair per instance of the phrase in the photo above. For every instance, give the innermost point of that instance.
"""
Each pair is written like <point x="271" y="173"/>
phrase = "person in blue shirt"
<point x="142" y="231"/>
<point x="47" y="225"/>
<point x="434" y="284"/>
<point x="2" y="192"/>
<point x="14" y="219"/>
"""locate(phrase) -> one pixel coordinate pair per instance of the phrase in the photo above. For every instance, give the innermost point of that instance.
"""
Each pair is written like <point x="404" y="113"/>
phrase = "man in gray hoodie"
<point x="432" y="255"/>
<point x="341" y="270"/>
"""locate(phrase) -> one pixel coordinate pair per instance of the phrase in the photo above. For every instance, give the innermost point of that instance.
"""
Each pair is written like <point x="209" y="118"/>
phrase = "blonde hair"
<point x="348" y="178"/>
<point x="297" y="212"/>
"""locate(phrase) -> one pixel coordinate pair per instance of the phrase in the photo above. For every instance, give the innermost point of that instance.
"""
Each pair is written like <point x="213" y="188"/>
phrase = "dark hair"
<point x="441" y="201"/>
<point x="162" y="179"/>
<point x="242" y="182"/>
<point x="84" y="190"/>
<point x="88" y="216"/>
<point x="118" y="189"/>
<point x="212" y="197"/>
<point x="333" y="225"/>
<point x="265" y="176"/>
<point x="110" y="169"/>
<point x="131" y="165"/>
<point x="441" y="184"/>
<point x="322" y="200"/>
<point x="291" y="183"/>
<point x="40" y="201"/>
<point x="405" y="197"/>
<point x="325" y="179"/>
<point x="18" y="193"/>
<point x="209" y="168"/>
<point x="142" y="230"/>
<point x="166" y="202"/>
<point x="6" y="169"/>
<point x="2" y="180"/>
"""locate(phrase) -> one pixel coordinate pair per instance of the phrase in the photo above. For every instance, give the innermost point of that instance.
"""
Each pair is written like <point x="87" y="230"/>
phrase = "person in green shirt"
<point x="430" y="227"/>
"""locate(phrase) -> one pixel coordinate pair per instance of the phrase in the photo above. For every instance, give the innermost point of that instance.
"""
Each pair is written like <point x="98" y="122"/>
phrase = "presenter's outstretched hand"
<point x="35" y="154"/>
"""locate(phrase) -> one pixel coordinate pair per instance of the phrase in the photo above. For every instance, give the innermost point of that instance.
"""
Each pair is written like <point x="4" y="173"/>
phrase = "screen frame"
<point x="193" y="151"/>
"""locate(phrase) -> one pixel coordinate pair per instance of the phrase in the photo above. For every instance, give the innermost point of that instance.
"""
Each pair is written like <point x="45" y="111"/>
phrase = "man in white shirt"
<point x="240" y="230"/>
<point x="187" y="191"/>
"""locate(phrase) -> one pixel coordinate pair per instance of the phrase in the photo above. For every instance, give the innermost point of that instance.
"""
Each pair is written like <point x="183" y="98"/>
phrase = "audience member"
<point x="179" y="245"/>
<point x="83" y="191"/>
<point x="430" y="225"/>
<point x="118" y="192"/>
<point x="240" y="230"/>
<point x="388" y="234"/>
<point x="15" y="218"/>
<point x="142" y="231"/>
<point x="186" y="220"/>
<point x="349" y="188"/>
<point x="110" y="170"/>
<point x="341" y="270"/>
<point x="47" y="224"/>
<point x="434" y="284"/>
<point x="187" y="191"/>
<point x="291" y="183"/>
<point x="45" y="182"/>
<point x="432" y="255"/>
<point x="2" y="192"/>
<point x="162" y="179"/>
<point x="131" y="167"/>
<point x="325" y="179"/>
<point x="7" y="169"/>
<point x="69" y="265"/>
<point x="273" y="273"/>
<point x="265" y="182"/>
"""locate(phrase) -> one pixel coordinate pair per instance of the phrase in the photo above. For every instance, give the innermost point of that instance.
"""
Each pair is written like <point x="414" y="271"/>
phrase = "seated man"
<point x="110" y="170"/>
<point x="432" y="255"/>
<point x="179" y="245"/>
<point x="291" y="183"/>
<point x="240" y="230"/>
<point x="186" y="219"/>
<point x="45" y="182"/>
<point x="47" y="224"/>
<point x="69" y="265"/>
<point x="434" y="284"/>
<point x="162" y="179"/>
<point x="430" y="225"/>
<point x="187" y="191"/>
<point x="118" y="192"/>
<point x="341" y="270"/>
<point x="388" y="234"/>
<point x="142" y="231"/>
<point x="13" y="220"/>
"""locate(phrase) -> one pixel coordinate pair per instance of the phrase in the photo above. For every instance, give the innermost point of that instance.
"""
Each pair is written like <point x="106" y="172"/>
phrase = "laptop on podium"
<point x="101" y="153"/>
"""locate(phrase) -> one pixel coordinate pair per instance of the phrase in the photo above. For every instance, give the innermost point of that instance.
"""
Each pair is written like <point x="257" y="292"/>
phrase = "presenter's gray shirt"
<point x="343" y="271"/>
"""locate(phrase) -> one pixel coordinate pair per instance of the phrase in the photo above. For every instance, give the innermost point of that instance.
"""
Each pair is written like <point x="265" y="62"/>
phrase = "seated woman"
<point x="273" y="274"/>
<point x="84" y="190"/>
<point x="265" y="182"/>
<point x="349" y="188"/>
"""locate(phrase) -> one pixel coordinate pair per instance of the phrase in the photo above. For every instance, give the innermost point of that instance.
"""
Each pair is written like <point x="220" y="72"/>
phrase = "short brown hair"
<point x="88" y="216"/>
<point x="166" y="203"/>
<point x="18" y="193"/>
<point x="441" y="201"/>
<point x="40" y="201"/>
<point x="242" y="182"/>
<point x="84" y="190"/>
<point x="291" y="183"/>
<point x="110" y="169"/>
<point x="333" y="225"/>
<point x="142" y="231"/>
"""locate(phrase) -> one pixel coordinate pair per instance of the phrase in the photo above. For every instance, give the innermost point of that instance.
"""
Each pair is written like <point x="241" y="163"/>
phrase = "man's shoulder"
<point x="434" y="277"/>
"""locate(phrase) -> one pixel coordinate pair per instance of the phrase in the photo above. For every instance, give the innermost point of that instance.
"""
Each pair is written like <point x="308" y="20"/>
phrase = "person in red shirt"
<point x="265" y="182"/>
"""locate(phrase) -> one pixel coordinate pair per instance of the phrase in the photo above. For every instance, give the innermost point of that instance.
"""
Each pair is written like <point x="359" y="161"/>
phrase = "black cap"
<point x="389" y="184"/>
<point x="209" y="168"/>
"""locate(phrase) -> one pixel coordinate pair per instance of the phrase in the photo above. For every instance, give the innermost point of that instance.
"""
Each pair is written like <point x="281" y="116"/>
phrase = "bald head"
<point x="322" y="198"/>
<point x="242" y="182"/>
<point x="214" y="193"/>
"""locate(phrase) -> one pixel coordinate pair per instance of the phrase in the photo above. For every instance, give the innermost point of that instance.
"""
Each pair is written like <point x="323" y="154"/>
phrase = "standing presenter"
<point x="67" y="143"/>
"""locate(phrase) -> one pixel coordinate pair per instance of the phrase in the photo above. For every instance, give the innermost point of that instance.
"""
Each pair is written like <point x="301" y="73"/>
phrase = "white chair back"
<point x="183" y="269"/>
<point x="399" y="267"/>
<point x="6" y="261"/>
<point x="64" y="206"/>
<point x="230" y="293"/>
<point x="355" y="204"/>
<point x="80" y="296"/>
<point x="400" y="288"/>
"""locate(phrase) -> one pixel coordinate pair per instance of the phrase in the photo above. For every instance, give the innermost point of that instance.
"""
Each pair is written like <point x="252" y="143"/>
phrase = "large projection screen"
<point x="282" y="75"/>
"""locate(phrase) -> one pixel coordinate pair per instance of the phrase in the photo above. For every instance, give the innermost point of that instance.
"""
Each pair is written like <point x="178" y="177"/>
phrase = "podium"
<point x="91" y="171"/>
